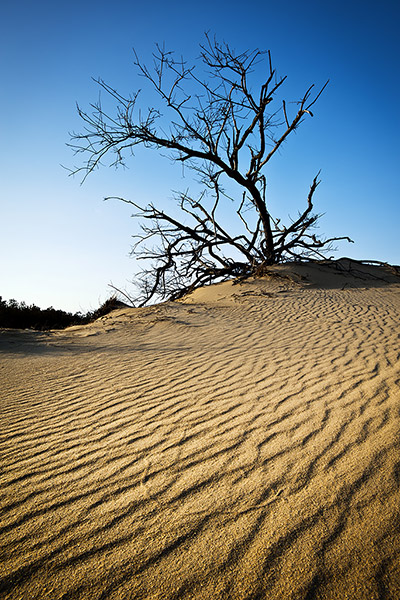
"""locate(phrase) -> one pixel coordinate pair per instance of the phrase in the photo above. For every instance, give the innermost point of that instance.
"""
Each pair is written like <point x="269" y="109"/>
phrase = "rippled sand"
<point x="243" y="443"/>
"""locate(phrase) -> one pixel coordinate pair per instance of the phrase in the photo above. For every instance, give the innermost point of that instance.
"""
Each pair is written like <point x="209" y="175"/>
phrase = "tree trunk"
<point x="268" y="242"/>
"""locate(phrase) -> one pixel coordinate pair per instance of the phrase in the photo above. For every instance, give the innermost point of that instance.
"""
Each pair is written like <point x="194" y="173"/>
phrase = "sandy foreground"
<point x="243" y="443"/>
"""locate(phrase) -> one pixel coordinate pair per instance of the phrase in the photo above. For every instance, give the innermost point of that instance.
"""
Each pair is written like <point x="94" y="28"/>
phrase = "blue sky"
<point x="61" y="245"/>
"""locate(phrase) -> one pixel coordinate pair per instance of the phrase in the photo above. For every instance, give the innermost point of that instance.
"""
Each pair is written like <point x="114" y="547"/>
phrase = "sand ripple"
<point x="246" y="450"/>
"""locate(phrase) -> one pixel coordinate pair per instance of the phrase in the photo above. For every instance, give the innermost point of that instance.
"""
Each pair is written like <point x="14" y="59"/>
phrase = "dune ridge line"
<point x="241" y="443"/>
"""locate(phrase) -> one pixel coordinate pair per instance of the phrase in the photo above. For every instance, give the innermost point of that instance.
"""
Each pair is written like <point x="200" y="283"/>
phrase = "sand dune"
<point x="242" y="443"/>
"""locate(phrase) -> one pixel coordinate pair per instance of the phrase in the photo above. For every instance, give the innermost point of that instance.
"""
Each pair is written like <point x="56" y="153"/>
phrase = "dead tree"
<point x="226" y="133"/>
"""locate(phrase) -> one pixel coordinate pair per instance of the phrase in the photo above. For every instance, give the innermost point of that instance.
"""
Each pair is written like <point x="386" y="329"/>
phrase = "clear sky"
<point x="61" y="245"/>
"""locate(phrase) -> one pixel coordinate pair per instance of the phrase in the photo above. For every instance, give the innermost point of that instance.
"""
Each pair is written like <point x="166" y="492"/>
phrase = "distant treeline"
<point x="18" y="315"/>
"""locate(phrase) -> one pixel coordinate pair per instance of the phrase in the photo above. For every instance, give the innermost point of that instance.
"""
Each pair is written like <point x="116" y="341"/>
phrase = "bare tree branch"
<point x="213" y="116"/>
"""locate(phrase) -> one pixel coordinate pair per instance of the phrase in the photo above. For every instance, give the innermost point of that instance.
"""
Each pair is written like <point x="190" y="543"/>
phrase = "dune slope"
<point x="241" y="443"/>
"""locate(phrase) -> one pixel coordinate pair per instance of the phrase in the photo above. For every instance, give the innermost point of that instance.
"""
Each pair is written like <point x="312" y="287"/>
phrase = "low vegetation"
<point x="19" y="315"/>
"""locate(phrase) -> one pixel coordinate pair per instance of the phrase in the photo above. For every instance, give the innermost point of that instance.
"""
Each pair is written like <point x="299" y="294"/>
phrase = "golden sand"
<point x="243" y="443"/>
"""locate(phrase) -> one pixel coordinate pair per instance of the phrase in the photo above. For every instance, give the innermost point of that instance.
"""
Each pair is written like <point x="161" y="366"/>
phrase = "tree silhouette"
<point x="225" y="133"/>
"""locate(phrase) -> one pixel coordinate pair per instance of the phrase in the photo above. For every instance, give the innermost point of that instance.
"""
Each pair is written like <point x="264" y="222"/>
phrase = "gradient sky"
<point x="61" y="245"/>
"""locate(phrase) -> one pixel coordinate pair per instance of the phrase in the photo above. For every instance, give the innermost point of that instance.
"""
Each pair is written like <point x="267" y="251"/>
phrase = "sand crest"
<point x="242" y="443"/>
